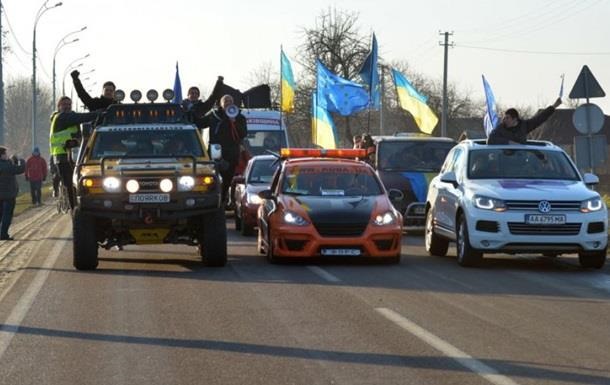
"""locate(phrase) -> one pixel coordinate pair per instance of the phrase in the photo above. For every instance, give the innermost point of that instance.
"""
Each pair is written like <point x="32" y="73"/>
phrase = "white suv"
<point x="515" y="199"/>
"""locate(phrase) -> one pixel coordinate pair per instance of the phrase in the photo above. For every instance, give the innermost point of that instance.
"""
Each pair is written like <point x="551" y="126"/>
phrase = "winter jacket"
<point x="36" y="168"/>
<point x="92" y="104"/>
<point x="225" y="132"/>
<point x="503" y="135"/>
<point x="8" y="181"/>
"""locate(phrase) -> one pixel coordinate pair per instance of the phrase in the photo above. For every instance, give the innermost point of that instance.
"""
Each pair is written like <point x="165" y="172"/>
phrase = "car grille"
<point x="526" y="229"/>
<point x="340" y="229"/>
<point x="533" y="205"/>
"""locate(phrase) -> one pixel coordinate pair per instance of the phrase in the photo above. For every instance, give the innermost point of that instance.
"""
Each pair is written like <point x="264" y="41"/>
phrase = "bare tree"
<point x="18" y="115"/>
<point x="265" y="74"/>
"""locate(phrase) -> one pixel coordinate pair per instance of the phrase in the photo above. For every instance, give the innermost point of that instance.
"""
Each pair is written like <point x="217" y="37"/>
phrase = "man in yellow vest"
<point x="63" y="135"/>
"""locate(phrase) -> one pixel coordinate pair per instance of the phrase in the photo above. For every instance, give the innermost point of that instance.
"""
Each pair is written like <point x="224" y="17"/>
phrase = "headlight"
<point x="486" y="203"/>
<point x="294" y="219"/>
<point x="112" y="184"/>
<point x="591" y="205"/>
<point x="132" y="186"/>
<point x="166" y="185"/>
<point x="186" y="183"/>
<point x="384" y="219"/>
<point x="253" y="199"/>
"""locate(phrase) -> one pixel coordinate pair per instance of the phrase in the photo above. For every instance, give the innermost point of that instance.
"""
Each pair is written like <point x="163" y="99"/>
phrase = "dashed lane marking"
<point x="325" y="275"/>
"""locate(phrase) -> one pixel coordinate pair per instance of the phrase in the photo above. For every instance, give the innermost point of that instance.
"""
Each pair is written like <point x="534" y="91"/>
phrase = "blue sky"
<point x="136" y="43"/>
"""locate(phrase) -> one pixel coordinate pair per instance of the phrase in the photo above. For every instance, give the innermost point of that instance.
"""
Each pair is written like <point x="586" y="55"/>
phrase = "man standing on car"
<point x="63" y="136"/>
<point x="9" y="189"/>
<point x="514" y="129"/>
<point x="228" y="132"/>
<point x="36" y="173"/>
<point x="94" y="104"/>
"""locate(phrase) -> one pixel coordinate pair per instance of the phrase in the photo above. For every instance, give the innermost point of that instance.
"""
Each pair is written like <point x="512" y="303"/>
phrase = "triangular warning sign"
<point x="586" y="86"/>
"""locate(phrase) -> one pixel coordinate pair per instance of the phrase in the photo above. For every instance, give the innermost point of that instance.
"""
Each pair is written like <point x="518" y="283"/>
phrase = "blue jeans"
<point x="35" y="191"/>
<point x="6" y="215"/>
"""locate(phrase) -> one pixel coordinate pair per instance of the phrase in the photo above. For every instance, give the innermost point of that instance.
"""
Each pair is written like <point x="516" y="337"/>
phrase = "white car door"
<point x="450" y="194"/>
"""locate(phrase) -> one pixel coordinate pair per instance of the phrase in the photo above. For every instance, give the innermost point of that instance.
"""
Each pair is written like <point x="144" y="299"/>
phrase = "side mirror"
<point x="215" y="151"/>
<point x="449" y="177"/>
<point x="395" y="195"/>
<point x="266" y="194"/>
<point x="239" y="179"/>
<point x="590" y="179"/>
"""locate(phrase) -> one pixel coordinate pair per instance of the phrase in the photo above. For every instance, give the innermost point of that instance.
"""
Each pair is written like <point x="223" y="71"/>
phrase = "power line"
<point x="534" y="52"/>
<point x="13" y="35"/>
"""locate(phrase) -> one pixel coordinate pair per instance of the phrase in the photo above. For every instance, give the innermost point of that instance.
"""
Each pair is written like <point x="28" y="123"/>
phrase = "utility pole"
<point x="446" y="44"/>
<point x="1" y="81"/>
<point x="381" y="102"/>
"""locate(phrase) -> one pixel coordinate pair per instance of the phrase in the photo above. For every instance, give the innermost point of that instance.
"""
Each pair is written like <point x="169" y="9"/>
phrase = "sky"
<point x="522" y="47"/>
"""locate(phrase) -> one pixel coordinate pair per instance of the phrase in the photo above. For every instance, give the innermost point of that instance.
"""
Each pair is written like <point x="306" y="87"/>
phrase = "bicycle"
<point x="63" y="199"/>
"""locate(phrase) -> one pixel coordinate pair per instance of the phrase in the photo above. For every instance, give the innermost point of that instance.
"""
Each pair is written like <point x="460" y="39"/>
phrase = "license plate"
<point x="537" y="219"/>
<point x="149" y="198"/>
<point x="340" y="252"/>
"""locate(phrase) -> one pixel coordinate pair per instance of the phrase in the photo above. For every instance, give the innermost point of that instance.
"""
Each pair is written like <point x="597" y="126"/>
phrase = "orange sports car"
<point x="324" y="203"/>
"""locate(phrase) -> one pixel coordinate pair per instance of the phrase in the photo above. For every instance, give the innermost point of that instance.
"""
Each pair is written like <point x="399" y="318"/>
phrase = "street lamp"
<point x="62" y="43"/>
<point x="43" y="8"/>
<point x="69" y="68"/>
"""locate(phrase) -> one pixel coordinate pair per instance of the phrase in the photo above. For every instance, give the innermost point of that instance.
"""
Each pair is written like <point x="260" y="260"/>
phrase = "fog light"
<point x="132" y="186"/>
<point x="485" y="243"/>
<point x="190" y="202"/>
<point x="107" y="204"/>
<point x="128" y="207"/>
<point x="166" y="185"/>
<point x="596" y="244"/>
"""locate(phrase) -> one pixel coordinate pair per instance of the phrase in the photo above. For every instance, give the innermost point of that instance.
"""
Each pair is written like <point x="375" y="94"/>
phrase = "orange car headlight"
<point x="295" y="219"/>
<point x="387" y="218"/>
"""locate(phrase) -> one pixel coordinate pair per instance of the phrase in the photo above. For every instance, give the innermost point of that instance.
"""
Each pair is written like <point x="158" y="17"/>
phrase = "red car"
<point x="323" y="203"/>
<point x="256" y="178"/>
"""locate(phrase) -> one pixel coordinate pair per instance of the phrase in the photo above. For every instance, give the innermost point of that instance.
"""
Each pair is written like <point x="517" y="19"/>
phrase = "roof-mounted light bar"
<point x="322" y="153"/>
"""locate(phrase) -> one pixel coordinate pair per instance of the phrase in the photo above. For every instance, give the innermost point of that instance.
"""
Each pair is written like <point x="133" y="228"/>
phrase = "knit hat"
<point x="36" y="151"/>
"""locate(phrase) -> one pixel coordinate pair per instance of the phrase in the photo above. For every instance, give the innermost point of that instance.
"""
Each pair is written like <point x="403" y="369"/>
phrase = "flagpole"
<point x="281" y="93"/>
<point x="381" y="101"/>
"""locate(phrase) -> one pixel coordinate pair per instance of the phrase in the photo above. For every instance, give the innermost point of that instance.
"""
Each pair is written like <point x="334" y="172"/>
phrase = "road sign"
<point x="586" y="86"/>
<point x="588" y="119"/>
<point x="590" y="151"/>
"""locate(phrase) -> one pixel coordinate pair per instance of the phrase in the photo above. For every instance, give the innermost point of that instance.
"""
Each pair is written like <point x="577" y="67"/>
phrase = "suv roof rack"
<point x="540" y="143"/>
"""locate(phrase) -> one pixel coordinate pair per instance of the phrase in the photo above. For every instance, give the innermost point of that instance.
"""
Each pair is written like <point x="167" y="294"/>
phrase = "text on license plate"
<point x="340" y="252"/>
<point x="538" y="219"/>
<point x="149" y="198"/>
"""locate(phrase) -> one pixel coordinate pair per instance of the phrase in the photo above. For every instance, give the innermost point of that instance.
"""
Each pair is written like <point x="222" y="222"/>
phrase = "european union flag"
<point x="370" y="76"/>
<point x="336" y="94"/>
<point x="177" y="87"/>
<point x="491" y="119"/>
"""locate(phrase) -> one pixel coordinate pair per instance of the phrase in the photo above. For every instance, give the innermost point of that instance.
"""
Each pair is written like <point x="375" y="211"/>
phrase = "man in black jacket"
<point x="94" y="104"/>
<point x="513" y="129"/>
<point x="9" y="189"/>
<point x="228" y="132"/>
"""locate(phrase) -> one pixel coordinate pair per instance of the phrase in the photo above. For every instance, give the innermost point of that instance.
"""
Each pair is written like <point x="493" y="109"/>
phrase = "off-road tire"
<point x="213" y="239"/>
<point x="84" y="241"/>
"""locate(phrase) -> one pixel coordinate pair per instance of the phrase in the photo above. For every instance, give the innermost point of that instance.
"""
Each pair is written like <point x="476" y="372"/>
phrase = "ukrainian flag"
<point x="288" y="86"/>
<point x="323" y="130"/>
<point x="415" y="103"/>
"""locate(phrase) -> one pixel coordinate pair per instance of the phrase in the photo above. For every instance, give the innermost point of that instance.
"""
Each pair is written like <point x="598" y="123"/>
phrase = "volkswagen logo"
<point x="544" y="206"/>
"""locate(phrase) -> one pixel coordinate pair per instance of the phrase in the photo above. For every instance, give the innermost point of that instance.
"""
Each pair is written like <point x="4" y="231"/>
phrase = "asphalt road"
<point x="155" y="315"/>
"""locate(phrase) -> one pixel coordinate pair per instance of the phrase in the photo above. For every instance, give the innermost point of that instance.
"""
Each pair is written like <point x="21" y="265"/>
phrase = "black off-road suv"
<point x="144" y="176"/>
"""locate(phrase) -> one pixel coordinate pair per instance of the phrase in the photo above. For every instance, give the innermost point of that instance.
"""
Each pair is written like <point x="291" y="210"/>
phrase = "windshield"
<point x="262" y="170"/>
<point x="415" y="155"/>
<point x="146" y="143"/>
<point x="330" y="181"/>
<point x="257" y="142"/>
<point x="520" y="164"/>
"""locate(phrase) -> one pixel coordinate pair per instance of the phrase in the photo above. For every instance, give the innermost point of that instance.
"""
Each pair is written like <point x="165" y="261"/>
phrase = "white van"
<point x="266" y="131"/>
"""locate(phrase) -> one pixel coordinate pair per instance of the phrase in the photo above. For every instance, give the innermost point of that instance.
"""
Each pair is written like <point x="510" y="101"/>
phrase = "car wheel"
<point x="269" y="252"/>
<point x="466" y="254"/>
<point x="213" y="240"/>
<point x="592" y="259"/>
<point x="435" y="245"/>
<point x="84" y="241"/>
<point x="246" y="230"/>
<point x="237" y="218"/>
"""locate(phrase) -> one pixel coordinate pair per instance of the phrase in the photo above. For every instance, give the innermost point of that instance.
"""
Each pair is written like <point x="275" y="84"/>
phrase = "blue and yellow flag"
<point x="288" y="85"/>
<point x="415" y="103"/>
<point x="370" y="76"/>
<point x="336" y="94"/>
<point x="323" y="130"/>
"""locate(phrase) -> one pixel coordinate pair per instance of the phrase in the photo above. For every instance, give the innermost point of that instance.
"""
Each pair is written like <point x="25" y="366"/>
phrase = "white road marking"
<point x="446" y="348"/>
<point x="27" y="299"/>
<point x="325" y="275"/>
